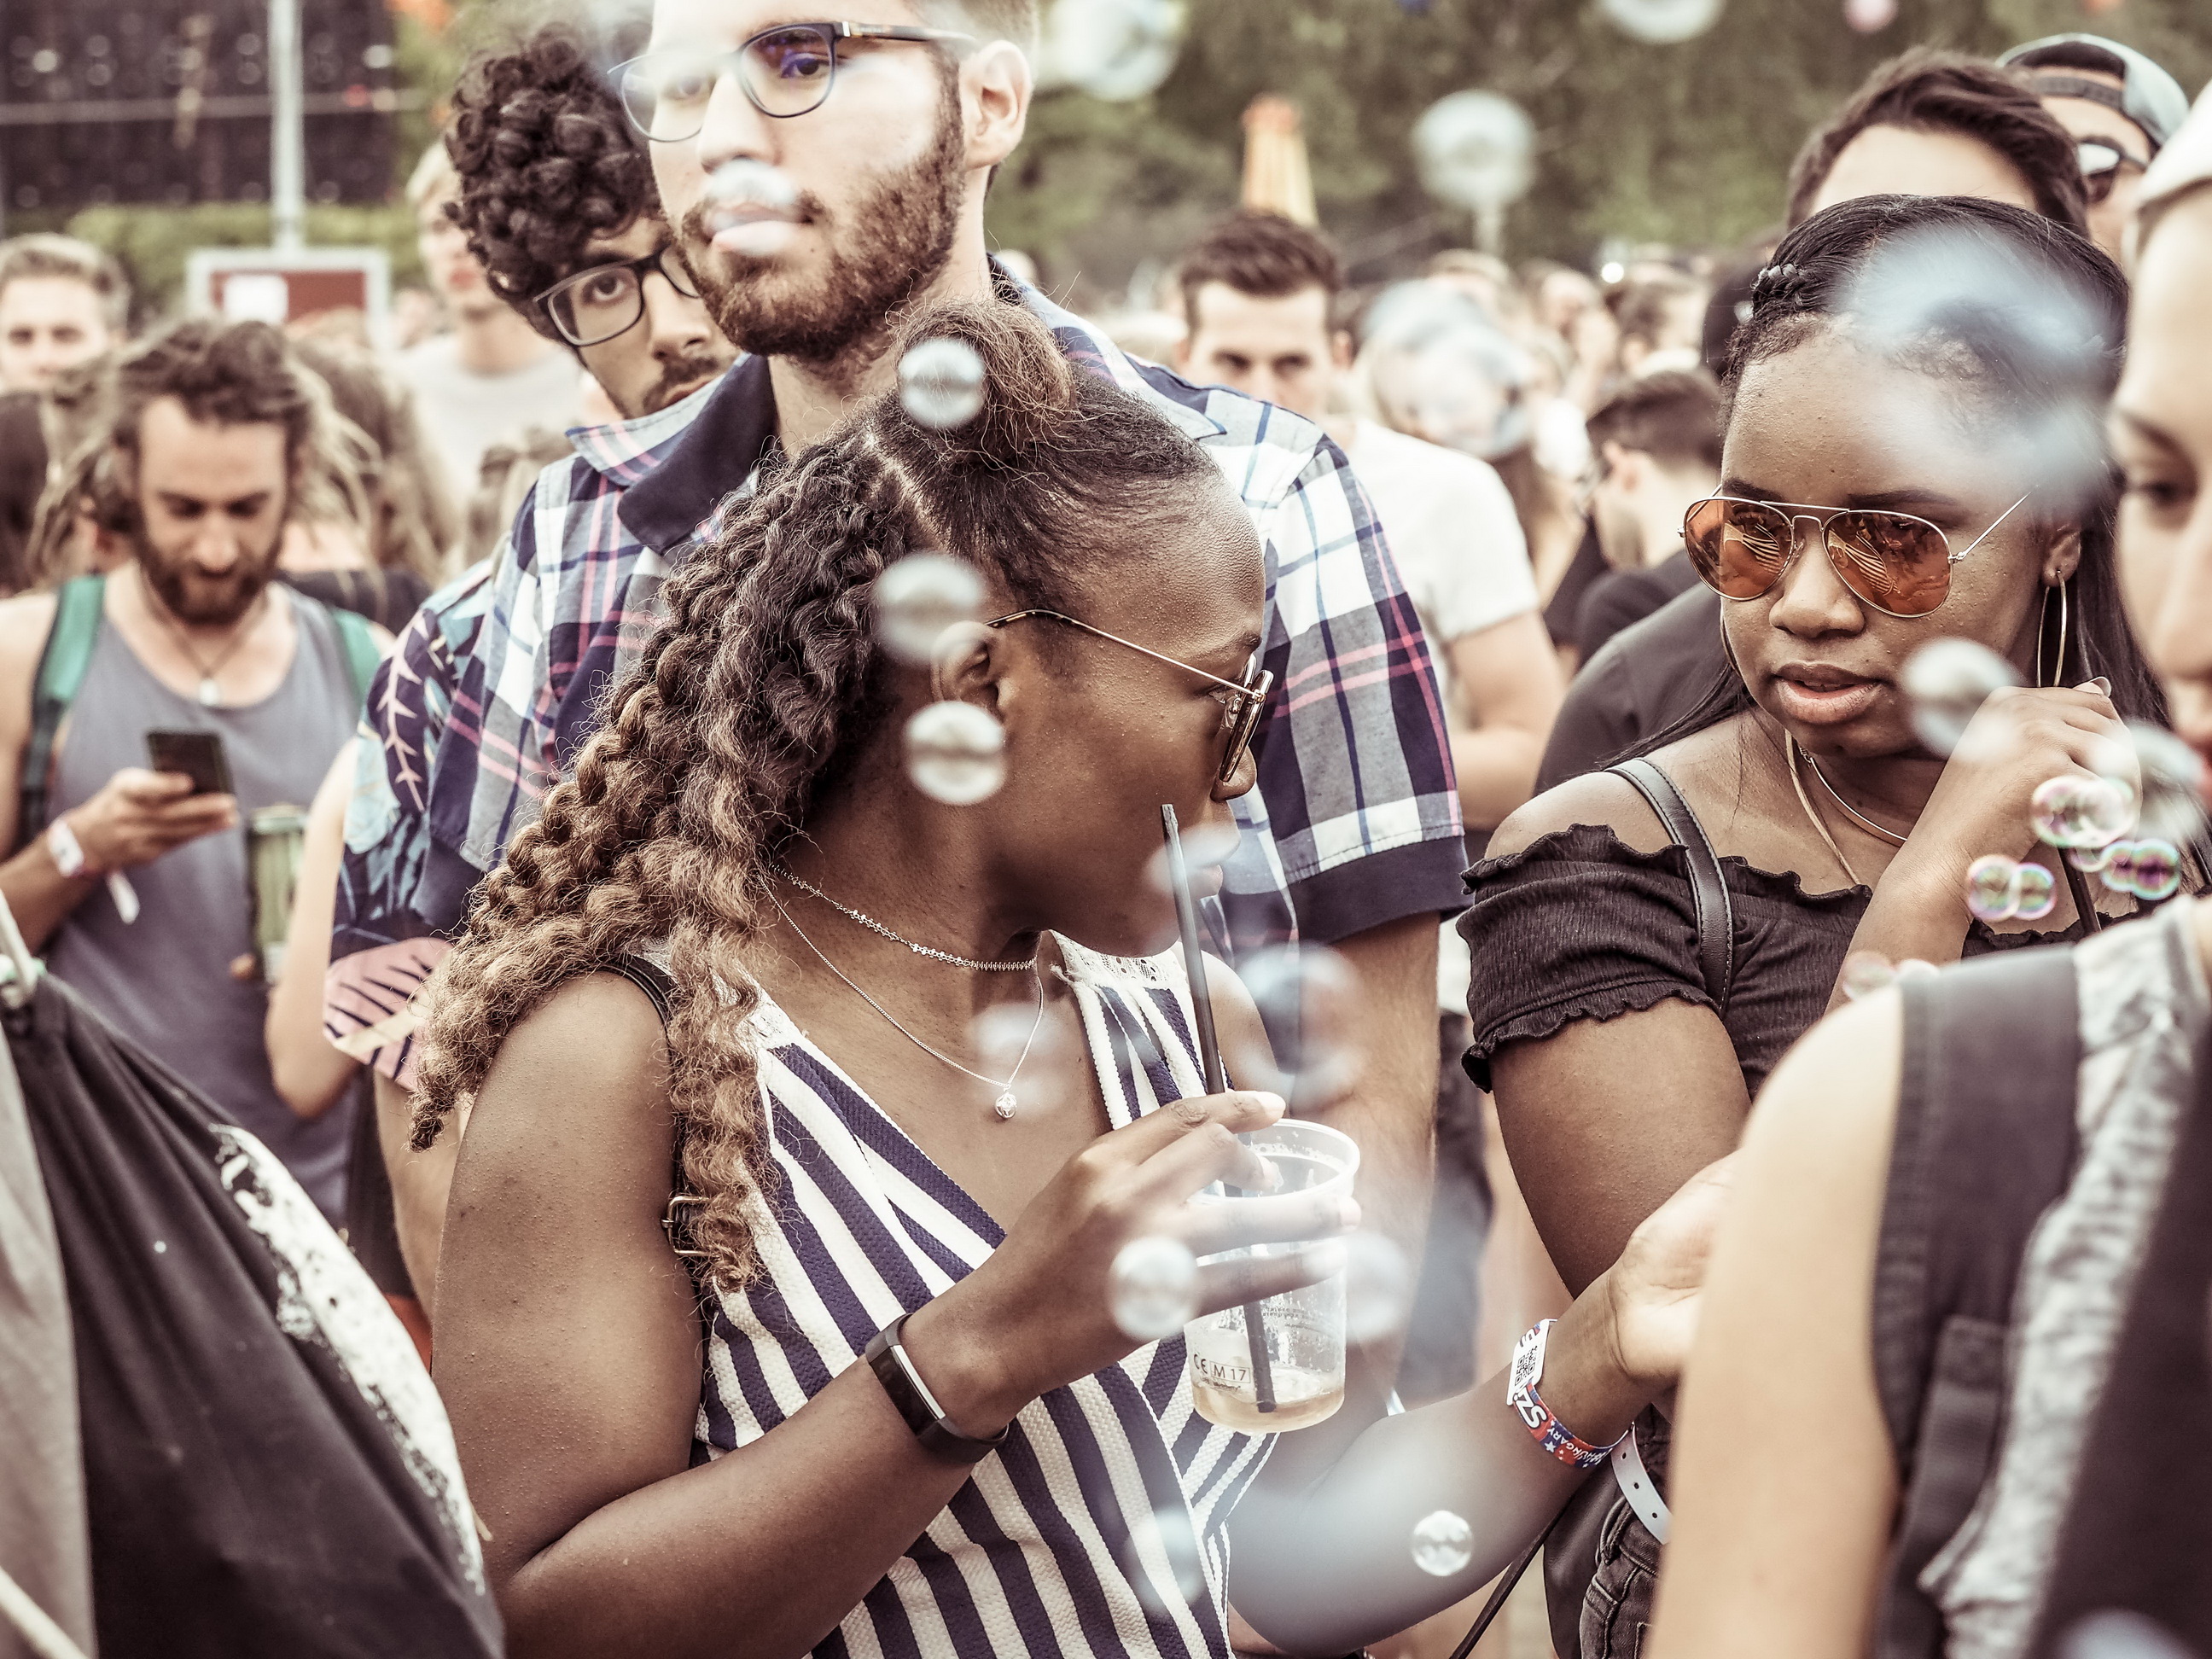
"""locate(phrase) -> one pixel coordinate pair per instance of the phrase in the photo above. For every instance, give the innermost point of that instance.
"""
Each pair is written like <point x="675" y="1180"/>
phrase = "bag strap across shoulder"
<point x="63" y="665"/>
<point x="1984" y="1144"/>
<point x="650" y="977"/>
<point x="1709" y="893"/>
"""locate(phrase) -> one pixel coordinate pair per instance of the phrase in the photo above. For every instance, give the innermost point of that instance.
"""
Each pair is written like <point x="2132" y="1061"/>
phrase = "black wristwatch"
<point x="917" y="1405"/>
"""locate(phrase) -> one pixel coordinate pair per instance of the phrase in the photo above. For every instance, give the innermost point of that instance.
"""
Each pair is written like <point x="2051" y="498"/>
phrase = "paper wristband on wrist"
<point x="1554" y="1435"/>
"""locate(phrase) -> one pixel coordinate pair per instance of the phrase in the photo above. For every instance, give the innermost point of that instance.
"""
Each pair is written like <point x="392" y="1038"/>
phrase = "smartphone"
<point x="197" y="755"/>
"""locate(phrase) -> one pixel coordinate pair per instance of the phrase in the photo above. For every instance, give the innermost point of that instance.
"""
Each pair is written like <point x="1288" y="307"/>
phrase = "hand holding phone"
<point x="196" y="755"/>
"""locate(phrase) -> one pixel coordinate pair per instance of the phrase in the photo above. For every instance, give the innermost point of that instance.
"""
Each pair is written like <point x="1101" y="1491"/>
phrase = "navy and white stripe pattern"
<point x="1098" y="1528"/>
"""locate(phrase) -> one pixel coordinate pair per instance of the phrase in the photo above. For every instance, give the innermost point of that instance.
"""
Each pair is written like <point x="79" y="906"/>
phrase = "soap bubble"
<point x="2119" y="870"/>
<point x="1474" y="149"/>
<point x="1870" y="16"/>
<point x="1864" y="973"/>
<point x="941" y="383"/>
<point x="2090" y="859"/>
<point x="1947" y="681"/>
<point x="1163" y="1538"/>
<point x="1992" y="887"/>
<point x="2117" y="1635"/>
<point x="1309" y="1003"/>
<point x="1663" y="22"/>
<point x="1043" y="1061"/>
<point x="1914" y="968"/>
<point x="1443" y="1544"/>
<point x="956" y="753"/>
<point x="2077" y="812"/>
<point x="1116" y="50"/>
<point x="2035" y="892"/>
<point x="2154" y="870"/>
<point x="2173" y="782"/>
<point x="919" y="597"/>
<point x="1378" y="1287"/>
<point x="1205" y="847"/>
<point x="751" y="208"/>
<point x="1152" y="1288"/>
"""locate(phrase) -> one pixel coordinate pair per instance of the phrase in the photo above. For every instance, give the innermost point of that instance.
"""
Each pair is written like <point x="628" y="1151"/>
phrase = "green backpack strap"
<point x="362" y="653"/>
<point x="61" y="668"/>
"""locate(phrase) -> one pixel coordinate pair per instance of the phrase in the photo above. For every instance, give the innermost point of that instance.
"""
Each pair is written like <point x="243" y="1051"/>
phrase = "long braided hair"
<point x="763" y="685"/>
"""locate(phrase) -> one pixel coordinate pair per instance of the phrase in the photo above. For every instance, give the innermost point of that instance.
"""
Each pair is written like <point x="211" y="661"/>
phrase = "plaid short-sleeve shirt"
<point x="1355" y="822"/>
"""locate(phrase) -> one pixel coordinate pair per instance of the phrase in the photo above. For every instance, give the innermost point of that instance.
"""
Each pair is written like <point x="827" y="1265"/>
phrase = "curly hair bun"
<point x="1029" y="393"/>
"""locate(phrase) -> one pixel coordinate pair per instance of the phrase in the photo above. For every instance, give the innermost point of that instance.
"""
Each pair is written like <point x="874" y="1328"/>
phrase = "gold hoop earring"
<point x="2043" y="630"/>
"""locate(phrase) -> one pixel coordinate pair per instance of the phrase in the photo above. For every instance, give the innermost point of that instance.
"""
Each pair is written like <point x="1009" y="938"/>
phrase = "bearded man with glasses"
<point x="849" y="157"/>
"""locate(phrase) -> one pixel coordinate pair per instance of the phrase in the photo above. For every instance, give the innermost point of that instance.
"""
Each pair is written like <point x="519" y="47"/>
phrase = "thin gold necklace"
<point x="1820" y="825"/>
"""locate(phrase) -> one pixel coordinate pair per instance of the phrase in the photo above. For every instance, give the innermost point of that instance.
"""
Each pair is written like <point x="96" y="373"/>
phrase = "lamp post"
<point x="288" y="157"/>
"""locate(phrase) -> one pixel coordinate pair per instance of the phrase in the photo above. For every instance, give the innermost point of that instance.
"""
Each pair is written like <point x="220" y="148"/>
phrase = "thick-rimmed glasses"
<point x="1898" y="563"/>
<point x="2102" y="162"/>
<point x="786" y="70"/>
<point x="593" y="306"/>
<point x="1241" y="702"/>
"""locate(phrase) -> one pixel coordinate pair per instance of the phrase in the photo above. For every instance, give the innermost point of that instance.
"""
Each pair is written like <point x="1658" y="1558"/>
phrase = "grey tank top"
<point x="164" y="981"/>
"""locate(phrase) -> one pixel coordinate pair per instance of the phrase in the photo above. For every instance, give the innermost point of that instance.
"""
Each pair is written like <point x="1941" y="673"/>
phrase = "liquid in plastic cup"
<point x="1304" y="1329"/>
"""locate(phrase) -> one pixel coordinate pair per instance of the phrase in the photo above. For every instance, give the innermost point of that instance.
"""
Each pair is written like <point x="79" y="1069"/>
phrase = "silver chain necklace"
<point x="875" y="927"/>
<point x="1005" y="1104"/>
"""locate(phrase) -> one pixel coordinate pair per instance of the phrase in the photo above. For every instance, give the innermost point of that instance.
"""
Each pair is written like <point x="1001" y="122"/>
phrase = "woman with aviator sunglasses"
<point x="1911" y="452"/>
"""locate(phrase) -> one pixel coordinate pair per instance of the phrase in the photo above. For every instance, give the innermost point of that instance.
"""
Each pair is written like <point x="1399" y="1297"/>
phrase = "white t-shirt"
<point x="464" y="414"/>
<point x="1450" y="525"/>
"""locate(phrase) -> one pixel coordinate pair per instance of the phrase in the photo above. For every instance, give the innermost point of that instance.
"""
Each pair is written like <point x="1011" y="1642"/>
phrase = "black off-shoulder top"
<point x="1580" y="925"/>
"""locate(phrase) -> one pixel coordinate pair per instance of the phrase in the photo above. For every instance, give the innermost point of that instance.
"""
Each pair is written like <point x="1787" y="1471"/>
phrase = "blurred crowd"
<point x="305" y="625"/>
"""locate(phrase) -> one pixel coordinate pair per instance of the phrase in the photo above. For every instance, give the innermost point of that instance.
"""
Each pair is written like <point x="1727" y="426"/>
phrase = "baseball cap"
<point x="2184" y="168"/>
<point x="2148" y="96"/>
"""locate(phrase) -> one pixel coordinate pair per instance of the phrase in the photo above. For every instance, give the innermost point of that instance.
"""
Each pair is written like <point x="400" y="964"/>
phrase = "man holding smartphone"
<point x="187" y="646"/>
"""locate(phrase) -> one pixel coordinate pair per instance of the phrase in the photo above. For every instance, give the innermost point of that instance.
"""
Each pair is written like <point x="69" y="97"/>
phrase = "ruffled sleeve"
<point x="1575" y="926"/>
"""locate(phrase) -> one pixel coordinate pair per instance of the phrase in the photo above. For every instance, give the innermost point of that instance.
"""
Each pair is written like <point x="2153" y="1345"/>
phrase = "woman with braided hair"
<point x="908" y="1424"/>
<point x="1912" y="451"/>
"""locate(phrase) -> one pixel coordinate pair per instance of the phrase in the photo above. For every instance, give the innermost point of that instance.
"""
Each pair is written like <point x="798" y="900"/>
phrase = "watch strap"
<point x="888" y="1359"/>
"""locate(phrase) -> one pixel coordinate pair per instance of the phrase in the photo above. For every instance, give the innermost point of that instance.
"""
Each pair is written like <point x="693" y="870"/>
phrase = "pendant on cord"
<point x="210" y="693"/>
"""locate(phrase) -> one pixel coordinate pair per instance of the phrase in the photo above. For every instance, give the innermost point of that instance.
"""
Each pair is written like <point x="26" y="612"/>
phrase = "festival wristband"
<point x="67" y="851"/>
<point x="1554" y="1435"/>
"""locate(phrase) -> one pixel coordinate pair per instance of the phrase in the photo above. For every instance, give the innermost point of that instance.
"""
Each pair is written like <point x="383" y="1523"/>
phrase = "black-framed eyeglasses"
<point x="594" y="305"/>
<point x="1241" y="700"/>
<point x="2102" y="163"/>
<point x="786" y="70"/>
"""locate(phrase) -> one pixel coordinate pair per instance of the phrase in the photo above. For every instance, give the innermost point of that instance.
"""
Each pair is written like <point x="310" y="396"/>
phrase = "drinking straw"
<point x="1216" y="1080"/>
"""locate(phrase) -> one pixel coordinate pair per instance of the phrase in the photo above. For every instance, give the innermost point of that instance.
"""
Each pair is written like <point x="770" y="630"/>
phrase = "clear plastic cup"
<point x="1296" y="1377"/>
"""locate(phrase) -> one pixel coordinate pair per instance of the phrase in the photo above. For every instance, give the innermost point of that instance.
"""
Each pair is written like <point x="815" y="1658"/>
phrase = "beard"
<point x="680" y="378"/>
<point x="193" y="596"/>
<point x="892" y="243"/>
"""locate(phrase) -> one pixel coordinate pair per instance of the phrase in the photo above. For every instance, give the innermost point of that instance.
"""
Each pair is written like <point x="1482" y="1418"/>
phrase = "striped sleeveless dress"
<point x="1098" y="1528"/>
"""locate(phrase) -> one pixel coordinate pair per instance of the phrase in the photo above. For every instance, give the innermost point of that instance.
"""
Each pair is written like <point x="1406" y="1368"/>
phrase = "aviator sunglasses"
<point x="1898" y="563"/>
<point x="1241" y="703"/>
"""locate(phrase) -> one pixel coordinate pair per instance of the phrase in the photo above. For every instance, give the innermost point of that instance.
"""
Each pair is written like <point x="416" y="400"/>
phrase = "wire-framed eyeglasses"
<point x="594" y="305"/>
<point x="786" y="70"/>
<point x="1899" y="563"/>
<point x="1241" y="700"/>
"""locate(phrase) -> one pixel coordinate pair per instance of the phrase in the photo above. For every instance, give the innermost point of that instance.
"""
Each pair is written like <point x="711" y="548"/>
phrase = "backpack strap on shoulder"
<point x="63" y="665"/>
<point x="650" y="977"/>
<point x="363" y="655"/>
<point x="1709" y="893"/>
<point x="1984" y="1144"/>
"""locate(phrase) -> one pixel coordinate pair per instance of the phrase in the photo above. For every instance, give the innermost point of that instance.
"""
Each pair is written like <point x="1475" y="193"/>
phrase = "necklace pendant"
<point x="211" y="693"/>
<point x="1004" y="1104"/>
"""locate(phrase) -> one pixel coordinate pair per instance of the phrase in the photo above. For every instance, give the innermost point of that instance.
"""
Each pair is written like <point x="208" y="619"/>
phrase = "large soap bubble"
<point x="2171" y="777"/>
<point x="919" y="597"/>
<point x="1870" y="16"/>
<point x="1116" y="50"/>
<point x="956" y="753"/>
<point x="1152" y="1288"/>
<point x="1378" y="1287"/>
<point x="2071" y="810"/>
<point x="1947" y="680"/>
<point x="751" y="207"/>
<point x="1157" y="1540"/>
<point x="1310" y="1003"/>
<point x="1444" y="1543"/>
<point x="1663" y="22"/>
<point x="941" y="383"/>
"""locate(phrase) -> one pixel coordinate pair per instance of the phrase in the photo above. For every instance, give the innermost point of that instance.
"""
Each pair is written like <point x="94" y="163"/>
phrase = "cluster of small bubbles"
<point x="1870" y="16"/>
<point x="2072" y="810"/>
<point x="1378" y="1288"/>
<point x="919" y="597"/>
<point x="1866" y="972"/>
<point x="1663" y="22"/>
<point x="941" y="383"/>
<point x="1443" y="1543"/>
<point x="1309" y="1005"/>
<point x="2148" y="869"/>
<point x="1205" y="847"/>
<point x="1998" y="889"/>
<point x="1946" y="681"/>
<point x="956" y="753"/>
<point x="2171" y="782"/>
<point x="1152" y="1288"/>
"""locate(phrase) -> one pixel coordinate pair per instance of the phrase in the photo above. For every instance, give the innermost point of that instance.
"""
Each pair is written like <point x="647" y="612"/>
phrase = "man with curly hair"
<point x="823" y="178"/>
<point x="558" y="204"/>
